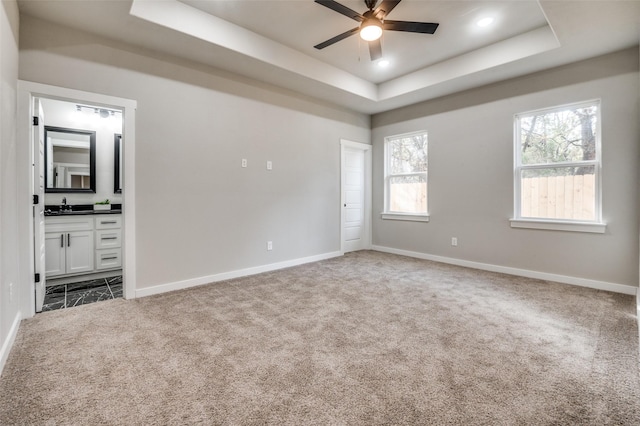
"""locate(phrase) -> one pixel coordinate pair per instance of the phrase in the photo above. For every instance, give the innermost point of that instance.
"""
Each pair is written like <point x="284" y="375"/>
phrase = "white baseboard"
<point x="8" y="341"/>
<point x="583" y="282"/>
<point x="179" y="285"/>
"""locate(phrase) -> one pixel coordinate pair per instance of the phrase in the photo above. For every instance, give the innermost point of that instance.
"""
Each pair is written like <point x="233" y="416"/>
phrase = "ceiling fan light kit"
<point x="372" y="23"/>
<point x="371" y="29"/>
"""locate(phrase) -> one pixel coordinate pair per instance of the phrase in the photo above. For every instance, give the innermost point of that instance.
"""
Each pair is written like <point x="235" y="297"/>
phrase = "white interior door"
<point x="38" y="209"/>
<point x="355" y="210"/>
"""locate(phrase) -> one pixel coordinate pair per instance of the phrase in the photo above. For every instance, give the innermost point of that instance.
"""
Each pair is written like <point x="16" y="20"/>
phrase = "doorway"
<point x="82" y="207"/>
<point x="90" y="251"/>
<point x="355" y="171"/>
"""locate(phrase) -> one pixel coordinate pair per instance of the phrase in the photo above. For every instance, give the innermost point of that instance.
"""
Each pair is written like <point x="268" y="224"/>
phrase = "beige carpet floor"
<point x="368" y="338"/>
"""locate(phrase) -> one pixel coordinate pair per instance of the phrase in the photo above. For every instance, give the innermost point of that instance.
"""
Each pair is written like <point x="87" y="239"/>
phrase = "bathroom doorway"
<point x="80" y="166"/>
<point x="86" y="199"/>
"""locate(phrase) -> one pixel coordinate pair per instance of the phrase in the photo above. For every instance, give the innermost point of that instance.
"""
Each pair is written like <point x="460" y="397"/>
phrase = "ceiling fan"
<point x="372" y="22"/>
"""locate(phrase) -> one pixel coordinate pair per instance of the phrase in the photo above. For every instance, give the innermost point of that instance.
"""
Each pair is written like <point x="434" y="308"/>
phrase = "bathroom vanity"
<point x="79" y="240"/>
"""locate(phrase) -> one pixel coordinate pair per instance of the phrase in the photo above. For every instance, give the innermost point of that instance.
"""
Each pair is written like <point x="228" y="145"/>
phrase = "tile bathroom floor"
<point x="61" y="296"/>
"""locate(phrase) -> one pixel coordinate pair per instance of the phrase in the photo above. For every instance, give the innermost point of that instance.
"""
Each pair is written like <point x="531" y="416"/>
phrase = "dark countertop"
<point x="80" y="209"/>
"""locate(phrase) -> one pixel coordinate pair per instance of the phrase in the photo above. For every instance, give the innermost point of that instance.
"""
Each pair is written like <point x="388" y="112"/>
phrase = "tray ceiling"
<point x="272" y="41"/>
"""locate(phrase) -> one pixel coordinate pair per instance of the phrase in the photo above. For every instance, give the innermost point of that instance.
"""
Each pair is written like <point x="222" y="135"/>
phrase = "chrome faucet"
<point x="64" y="206"/>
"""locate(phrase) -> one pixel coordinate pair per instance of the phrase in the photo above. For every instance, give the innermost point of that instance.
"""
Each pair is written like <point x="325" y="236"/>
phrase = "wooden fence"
<point x="408" y="197"/>
<point x="559" y="197"/>
<point x="554" y="197"/>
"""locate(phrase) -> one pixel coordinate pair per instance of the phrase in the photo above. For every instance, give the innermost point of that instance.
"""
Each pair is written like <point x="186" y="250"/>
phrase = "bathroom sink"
<point x="80" y="209"/>
<point x="67" y="212"/>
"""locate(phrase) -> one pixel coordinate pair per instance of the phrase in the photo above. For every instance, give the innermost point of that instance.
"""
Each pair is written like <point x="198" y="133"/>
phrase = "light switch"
<point x="269" y="165"/>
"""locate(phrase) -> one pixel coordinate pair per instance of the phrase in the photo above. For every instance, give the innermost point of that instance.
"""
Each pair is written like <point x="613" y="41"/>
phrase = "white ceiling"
<point x="303" y="24"/>
<point x="272" y="41"/>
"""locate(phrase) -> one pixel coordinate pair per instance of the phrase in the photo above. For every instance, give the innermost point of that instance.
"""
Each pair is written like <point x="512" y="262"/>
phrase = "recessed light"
<point x="484" y="22"/>
<point x="383" y="63"/>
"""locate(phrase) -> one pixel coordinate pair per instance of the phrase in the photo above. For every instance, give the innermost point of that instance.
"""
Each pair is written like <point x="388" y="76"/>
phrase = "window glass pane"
<point x="408" y="154"/>
<point x="408" y="194"/>
<point x="559" y="193"/>
<point x="559" y="136"/>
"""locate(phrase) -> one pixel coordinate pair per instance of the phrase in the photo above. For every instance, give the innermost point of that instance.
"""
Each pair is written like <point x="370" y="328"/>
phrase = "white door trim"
<point x="39" y="240"/>
<point x="27" y="90"/>
<point x="367" y="236"/>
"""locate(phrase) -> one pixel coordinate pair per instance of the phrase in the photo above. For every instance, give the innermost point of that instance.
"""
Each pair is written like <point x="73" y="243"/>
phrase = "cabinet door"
<point x="79" y="251"/>
<point x="54" y="253"/>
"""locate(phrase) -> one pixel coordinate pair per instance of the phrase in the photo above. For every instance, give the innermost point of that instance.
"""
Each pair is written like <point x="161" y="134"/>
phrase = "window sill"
<point x="405" y="216"/>
<point x="592" y="227"/>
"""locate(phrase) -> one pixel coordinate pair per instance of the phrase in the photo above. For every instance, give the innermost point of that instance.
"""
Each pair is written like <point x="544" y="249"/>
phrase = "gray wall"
<point x="198" y="212"/>
<point x="9" y="261"/>
<point x="471" y="173"/>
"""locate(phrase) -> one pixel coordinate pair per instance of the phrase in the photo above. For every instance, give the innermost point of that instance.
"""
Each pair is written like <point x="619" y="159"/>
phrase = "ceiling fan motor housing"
<point x="370" y="4"/>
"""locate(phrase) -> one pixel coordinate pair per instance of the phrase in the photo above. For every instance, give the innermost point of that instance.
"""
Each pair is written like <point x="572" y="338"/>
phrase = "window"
<point x="406" y="177"/>
<point x="557" y="166"/>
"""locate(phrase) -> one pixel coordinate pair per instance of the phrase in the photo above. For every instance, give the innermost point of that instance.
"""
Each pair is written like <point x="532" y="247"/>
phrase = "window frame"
<point x="518" y="221"/>
<point x="387" y="212"/>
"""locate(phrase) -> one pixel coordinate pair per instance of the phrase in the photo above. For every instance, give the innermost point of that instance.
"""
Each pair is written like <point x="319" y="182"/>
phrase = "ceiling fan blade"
<point x="375" y="50"/>
<point x="344" y="10"/>
<point x="412" y="27"/>
<point x="337" y="38"/>
<point x="385" y="7"/>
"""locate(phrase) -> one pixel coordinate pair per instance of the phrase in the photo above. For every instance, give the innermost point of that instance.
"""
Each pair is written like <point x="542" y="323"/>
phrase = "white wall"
<point x="64" y="114"/>
<point x="198" y="212"/>
<point x="471" y="173"/>
<point x="9" y="261"/>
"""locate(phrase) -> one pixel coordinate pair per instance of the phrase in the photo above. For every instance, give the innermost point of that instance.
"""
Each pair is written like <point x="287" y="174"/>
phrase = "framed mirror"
<point x="117" y="164"/>
<point x="70" y="159"/>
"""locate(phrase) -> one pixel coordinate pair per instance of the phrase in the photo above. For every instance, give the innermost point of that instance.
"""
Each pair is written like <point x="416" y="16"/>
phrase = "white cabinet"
<point x="68" y="245"/>
<point x="108" y="259"/>
<point x="108" y="242"/>
<point x="110" y="221"/>
<point x="55" y="254"/>
<point x="108" y="238"/>
<point x="82" y="244"/>
<point x="79" y="252"/>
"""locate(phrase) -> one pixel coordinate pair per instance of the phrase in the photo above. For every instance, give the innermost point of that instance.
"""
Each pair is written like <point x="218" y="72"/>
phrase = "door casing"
<point x="37" y="139"/>
<point x="367" y="228"/>
<point x="27" y="91"/>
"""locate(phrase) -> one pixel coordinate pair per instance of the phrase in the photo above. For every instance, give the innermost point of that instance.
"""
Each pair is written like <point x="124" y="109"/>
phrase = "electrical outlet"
<point x="11" y="292"/>
<point x="454" y="241"/>
<point x="269" y="245"/>
<point x="269" y="165"/>
<point x="244" y="162"/>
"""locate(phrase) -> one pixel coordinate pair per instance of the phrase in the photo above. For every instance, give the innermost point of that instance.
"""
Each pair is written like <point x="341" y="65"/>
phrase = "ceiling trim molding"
<point x="563" y="33"/>
<point x="521" y="46"/>
<point x="209" y="28"/>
